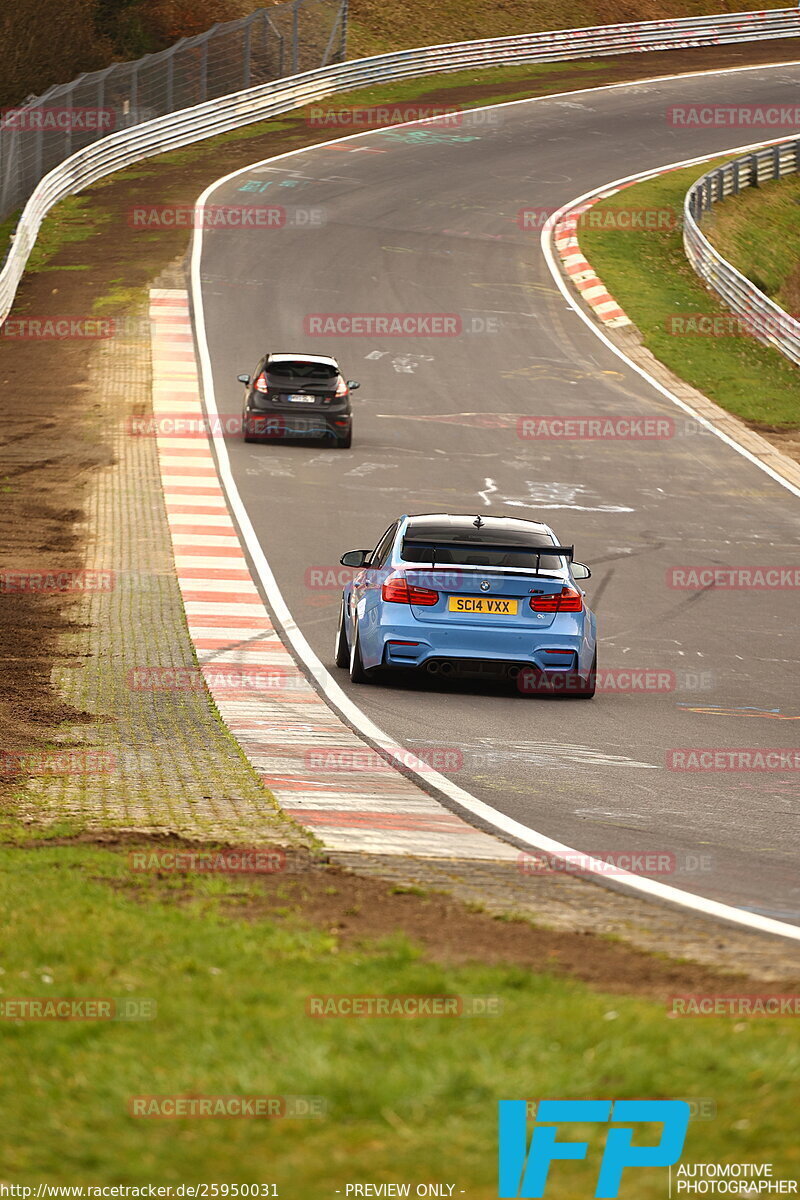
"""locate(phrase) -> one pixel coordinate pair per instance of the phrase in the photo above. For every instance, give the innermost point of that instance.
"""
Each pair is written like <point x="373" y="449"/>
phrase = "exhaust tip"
<point x="446" y="668"/>
<point x="514" y="672"/>
<point x="432" y="668"/>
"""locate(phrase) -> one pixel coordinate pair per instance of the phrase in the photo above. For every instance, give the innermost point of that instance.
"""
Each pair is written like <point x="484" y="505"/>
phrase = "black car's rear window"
<point x="297" y="369"/>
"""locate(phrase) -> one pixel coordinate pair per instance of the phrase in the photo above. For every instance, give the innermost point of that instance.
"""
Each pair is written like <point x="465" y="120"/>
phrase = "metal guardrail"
<point x="269" y="44"/>
<point x="123" y="148"/>
<point x="760" y="316"/>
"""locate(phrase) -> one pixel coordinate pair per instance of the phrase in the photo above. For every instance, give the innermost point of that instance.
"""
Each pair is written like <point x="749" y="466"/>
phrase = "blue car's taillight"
<point x="567" y="600"/>
<point x="396" y="590"/>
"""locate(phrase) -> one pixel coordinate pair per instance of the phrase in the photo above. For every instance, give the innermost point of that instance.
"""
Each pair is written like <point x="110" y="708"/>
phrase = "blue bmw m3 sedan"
<point x="469" y="595"/>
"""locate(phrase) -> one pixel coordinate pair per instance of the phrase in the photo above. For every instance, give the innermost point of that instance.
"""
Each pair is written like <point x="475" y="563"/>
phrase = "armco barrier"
<point x="254" y="104"/>
<point x="762" y="318"/>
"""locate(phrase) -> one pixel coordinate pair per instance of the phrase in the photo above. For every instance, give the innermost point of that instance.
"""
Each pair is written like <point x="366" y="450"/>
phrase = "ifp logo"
<point x="523" y="1171"/>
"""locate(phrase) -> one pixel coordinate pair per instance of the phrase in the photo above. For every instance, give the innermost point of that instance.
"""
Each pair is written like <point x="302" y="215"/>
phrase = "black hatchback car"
<point x="298" y="396"/>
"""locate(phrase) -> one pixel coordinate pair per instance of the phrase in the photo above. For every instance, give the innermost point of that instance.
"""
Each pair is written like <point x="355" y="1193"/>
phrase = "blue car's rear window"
<point x="475" y="554"/>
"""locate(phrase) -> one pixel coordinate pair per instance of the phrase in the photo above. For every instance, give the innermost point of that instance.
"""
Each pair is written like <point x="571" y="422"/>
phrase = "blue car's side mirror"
<point x="355" y="558"/>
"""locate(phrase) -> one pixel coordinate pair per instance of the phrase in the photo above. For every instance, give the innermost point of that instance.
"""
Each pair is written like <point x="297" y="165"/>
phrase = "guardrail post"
<point x="101" y="90"/>
<point x="735" y="165"/>
<point x="170" y="83"/>
<point x="203" y="81"/>
<point x="246" y="52"/>
<point x="776" y="162"/>
<point x="295" y="34"/>
<point x="754" y="171"/>
<point x="707" y="200"/>
<point x="68" y="133"/>
<point x="134" y="94"/>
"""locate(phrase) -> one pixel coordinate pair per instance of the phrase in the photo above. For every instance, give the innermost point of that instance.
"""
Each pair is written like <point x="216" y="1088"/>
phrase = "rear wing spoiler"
<point x="539" y="552"/>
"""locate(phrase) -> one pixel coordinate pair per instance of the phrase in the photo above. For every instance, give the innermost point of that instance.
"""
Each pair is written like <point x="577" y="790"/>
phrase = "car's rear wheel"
<point x="585" y="689"/>
<point x="344" y="443"/>
<point x="342" y="651"/>
<point x="358" y="672"/>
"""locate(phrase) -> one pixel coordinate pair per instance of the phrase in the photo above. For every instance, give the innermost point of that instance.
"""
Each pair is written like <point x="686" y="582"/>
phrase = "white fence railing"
<point x="759" y="315"/>
<point x="254" y="104"/>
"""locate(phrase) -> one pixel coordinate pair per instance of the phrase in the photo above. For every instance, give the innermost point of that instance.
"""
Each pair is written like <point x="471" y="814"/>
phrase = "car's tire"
<point x="358" y="672"/>
<point x="344" y="443"/>
<point x="585" y="689"/>
<point x="342" y="650"/>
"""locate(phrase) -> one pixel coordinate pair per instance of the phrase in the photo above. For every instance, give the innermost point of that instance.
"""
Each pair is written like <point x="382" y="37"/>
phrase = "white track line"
<point x="464" y="800"/>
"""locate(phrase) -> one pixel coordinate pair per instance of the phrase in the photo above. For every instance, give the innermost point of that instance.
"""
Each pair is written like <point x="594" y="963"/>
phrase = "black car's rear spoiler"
<point x="540" y="552"/>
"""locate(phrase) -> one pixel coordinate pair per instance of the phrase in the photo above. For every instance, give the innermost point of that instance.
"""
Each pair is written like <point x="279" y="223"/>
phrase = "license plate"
<point x="494" y="606"/>
<point x="301" y="398"/>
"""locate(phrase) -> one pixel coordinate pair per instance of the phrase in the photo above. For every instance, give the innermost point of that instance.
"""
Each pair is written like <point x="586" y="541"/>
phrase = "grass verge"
<point x="231" y="990"/>
<point x="650" y="277"/>
<point x="759" y="232"/>
<point x="375" y="27"/>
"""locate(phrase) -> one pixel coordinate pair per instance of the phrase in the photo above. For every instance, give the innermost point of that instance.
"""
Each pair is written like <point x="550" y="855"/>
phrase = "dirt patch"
<point x="50" y="436"/>
<point x="359" y="910"/>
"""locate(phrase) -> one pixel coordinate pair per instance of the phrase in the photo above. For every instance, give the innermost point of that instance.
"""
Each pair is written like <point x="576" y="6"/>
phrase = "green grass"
<point x="406" y="1099"/>
<point x="648" y="274"/>
<point x="375" y="27"/>
<point x="759" y="232"/>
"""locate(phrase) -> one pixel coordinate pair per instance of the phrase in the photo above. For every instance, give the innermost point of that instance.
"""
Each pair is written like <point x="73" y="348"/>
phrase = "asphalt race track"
<point x="424" y="220"/>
